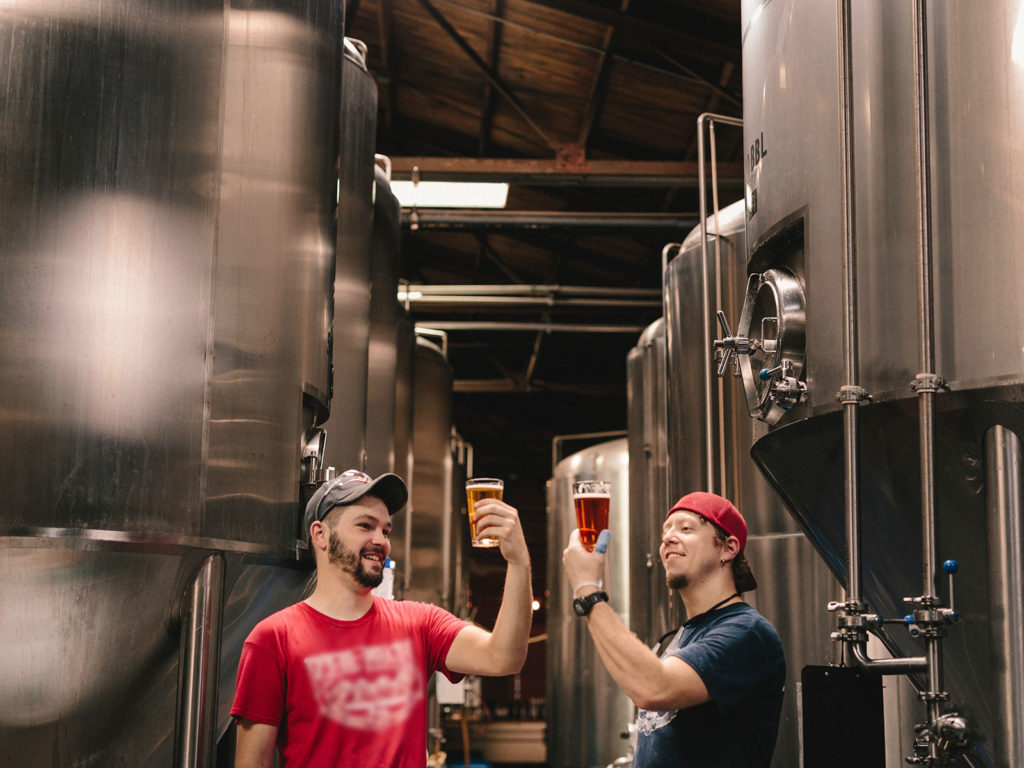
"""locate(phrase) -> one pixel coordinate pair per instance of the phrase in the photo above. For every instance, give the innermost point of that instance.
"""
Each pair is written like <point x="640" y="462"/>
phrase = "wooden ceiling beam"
<point x="493" y="53"/>
<point x="488" y="72"/>
<point x="599" y="86"/>
<point x="385" y="77"/>
<point x="551" y="172"/>
<point x="690" y="28"/>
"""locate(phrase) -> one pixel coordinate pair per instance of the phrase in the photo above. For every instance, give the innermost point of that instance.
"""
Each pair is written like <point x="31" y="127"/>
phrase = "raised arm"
<point x="651" y="683"/>
<point x="502" y="651"/>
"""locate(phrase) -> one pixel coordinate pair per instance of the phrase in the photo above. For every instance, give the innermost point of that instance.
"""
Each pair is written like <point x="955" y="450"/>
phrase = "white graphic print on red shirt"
<point x="370" y="689"/>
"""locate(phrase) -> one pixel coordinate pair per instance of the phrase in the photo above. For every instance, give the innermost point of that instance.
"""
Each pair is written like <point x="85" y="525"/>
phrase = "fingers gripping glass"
<point x="478" y="488"/>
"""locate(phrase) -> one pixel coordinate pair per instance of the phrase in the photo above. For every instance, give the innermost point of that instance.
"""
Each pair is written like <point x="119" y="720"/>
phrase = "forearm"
<point x="650" y="683"/>
<point x="511" y="633"/>
<point x="632" y="665"/>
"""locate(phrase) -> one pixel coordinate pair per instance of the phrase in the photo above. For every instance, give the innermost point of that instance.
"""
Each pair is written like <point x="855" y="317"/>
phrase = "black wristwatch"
<point x="583" y="605"/>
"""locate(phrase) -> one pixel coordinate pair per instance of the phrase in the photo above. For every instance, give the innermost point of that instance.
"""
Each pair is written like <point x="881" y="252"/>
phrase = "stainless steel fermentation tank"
<point x="438" y="570"/>
<point x="392" y="355"/>
<point x="708" y="436"/>
<point x="345" y="445"/>
<point x="935" y="227"/>
<point x="167" y="187"/>
<point x="586" y="712"/>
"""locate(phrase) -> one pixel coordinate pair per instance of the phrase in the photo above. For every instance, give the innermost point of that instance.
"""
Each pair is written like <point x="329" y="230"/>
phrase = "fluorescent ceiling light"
<point x="450" y="194"/>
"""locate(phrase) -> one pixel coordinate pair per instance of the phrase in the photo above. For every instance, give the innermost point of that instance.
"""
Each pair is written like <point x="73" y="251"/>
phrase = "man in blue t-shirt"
<point x="714" y="696"/>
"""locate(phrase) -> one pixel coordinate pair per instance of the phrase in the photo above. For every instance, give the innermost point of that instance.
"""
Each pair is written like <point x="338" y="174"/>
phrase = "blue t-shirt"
<point x="737" y="653"/>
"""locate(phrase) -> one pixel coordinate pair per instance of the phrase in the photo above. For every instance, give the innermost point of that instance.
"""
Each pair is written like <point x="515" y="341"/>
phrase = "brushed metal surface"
<point x="655" y="608"/>
<point x="346" y="428"/>
<point x="794" y="584"/>
<point x="586" y="711"/>
<point x="437" y="571"/>
<point x="974" y="108"/>
<point x="166" y="248"/>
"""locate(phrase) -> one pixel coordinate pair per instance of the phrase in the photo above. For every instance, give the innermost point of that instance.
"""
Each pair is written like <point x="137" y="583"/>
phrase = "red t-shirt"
<point x="346" y="692"/>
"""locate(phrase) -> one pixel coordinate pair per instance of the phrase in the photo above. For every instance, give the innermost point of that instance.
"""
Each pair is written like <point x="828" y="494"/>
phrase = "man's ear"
<point x="319" y="536"/>
<point x="732" y="546"/>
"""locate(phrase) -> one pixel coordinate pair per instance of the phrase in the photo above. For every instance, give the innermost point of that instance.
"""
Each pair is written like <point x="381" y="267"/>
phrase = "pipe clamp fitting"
<point x="928" y="382"/>
<point x="849" y="393"/>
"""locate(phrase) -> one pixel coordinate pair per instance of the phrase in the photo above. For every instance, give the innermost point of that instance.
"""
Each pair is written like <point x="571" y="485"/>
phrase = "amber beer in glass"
<point x="478" y="488"/>
<point x="592" y="499"/>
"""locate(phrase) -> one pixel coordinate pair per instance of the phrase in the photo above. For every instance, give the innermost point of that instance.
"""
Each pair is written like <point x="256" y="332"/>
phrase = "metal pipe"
<point x="851" y="399"/>
<point x="707" y="118"/>
<point x="529" y="302"/>
<point x="902" y="666"/>
<point x="927" y="383"/>
<point x="718" y="381"/>
<point x="477" y="325"/>
<point x="433" y="329"/>
<point x="200" y="615"/>
<point x="410" y="289"/>
<point x="466" y="218"/>
<point x="1004" y="499"/>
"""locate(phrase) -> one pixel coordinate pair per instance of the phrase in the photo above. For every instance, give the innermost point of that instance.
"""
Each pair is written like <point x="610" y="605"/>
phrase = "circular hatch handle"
<point x="732" y="346"/>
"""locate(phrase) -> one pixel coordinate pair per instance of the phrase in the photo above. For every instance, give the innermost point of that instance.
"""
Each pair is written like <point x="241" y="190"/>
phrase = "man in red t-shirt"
<point x="341" y="678"/>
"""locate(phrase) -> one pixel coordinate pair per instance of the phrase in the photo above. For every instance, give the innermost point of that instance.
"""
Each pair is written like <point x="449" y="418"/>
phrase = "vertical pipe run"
<point x="926" y="379"/>
<point x="719" y="382"/>
<point x="201" y="612"/>
<point x="850" y="342"/>
<point x="709" y="449"/>
<point x="1004" y="484"/>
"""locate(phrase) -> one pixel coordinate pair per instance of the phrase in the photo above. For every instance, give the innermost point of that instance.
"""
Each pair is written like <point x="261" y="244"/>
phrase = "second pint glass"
<point x="478" y="488"/>
<point x="592" y="499"/>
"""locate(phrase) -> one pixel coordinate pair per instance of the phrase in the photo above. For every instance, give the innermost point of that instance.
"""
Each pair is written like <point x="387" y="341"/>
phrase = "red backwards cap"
<point x="719" y="511"/>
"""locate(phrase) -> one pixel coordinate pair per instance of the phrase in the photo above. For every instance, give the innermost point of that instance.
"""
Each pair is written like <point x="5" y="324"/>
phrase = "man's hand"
<point x="498" y="520"/>
<point x="585" y="570"/>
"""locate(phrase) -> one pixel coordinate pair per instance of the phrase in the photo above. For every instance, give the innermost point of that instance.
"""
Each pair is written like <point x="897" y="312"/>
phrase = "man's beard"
<point x="352" y="562"/>
<point x="679" y="581"/>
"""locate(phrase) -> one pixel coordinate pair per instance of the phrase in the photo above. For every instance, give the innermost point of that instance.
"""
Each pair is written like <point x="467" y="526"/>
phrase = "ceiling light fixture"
<point x="450" y="194"/>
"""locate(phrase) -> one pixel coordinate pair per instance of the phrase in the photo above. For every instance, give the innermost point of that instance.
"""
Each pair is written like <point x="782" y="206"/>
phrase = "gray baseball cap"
<point x="350" y="486"/>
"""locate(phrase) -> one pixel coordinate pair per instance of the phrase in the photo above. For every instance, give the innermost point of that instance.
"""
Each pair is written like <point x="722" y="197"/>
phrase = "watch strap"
<point x="584" y="605"/>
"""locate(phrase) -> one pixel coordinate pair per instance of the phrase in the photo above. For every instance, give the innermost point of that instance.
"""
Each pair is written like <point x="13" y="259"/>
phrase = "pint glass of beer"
<point x="481" y="488"/>
<point x="592" y="499"/>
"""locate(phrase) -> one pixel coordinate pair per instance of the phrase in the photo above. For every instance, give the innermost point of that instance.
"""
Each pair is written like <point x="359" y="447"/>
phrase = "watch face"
<point x="579" y="607"/>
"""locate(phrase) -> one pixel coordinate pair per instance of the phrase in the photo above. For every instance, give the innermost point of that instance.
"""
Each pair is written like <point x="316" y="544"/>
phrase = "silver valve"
<point x="787" y="390"/>
<point x="732" y="345"/>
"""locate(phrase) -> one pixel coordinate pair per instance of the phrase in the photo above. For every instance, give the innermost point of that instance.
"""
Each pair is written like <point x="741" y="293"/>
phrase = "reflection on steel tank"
<point x="390" y="337"/>
<point x="345" y="444"/>
<point x="392" y="350"/>
<point x="708" y="442"/>
<point x="966" y="367"/>
<point x="649" y="497"/>
<point x="166" y="252"/>
<point x="586" y="710"/>
<point x="437" y="529"/>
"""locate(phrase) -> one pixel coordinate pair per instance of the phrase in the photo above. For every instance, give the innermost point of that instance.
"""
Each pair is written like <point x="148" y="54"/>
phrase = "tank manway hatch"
<point x="769" y="345"/>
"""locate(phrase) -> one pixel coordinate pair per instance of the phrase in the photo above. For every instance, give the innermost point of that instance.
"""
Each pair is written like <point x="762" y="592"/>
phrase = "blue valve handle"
<point x="951" y="566"/>
<point x="766" y="373"/>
